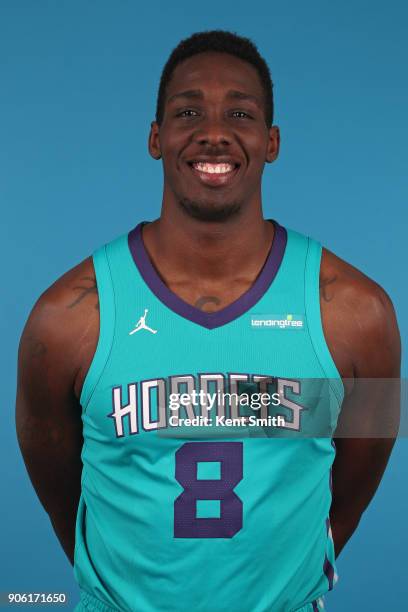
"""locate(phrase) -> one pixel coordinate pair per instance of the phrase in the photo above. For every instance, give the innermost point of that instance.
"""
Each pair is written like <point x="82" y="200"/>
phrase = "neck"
<point x="182" y="247"/>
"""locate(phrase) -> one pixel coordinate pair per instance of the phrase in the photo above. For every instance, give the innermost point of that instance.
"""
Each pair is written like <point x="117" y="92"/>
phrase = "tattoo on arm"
<point x="207" y="299"/>
<point x="85" y="291"/>
<point x="35" y="347"/>
<point x="325" y="292"/>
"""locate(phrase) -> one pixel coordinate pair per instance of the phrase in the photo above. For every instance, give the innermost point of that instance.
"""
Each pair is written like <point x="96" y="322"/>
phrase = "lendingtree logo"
<point x="277" y="321"/>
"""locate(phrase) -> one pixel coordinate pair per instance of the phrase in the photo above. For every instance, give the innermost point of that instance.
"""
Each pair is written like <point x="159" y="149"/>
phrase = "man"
<point x="181" y="517"/>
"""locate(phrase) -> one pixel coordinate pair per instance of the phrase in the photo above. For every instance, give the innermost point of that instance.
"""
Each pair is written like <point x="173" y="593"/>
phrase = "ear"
<point x="154" y="141"/>
<point x="272" y="150"/>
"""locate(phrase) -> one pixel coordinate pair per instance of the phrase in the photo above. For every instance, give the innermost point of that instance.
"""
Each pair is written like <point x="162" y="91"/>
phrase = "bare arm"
<point x="48" y="413"/>
<point x="363" y="318"/>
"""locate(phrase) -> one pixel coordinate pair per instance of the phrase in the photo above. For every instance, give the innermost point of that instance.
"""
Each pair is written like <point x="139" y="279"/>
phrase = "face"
<point x="213" y="139"/>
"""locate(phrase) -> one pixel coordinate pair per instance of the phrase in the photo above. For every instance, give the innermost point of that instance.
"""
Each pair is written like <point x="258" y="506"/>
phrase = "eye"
<point x="188" y="112"/>
<point x="243" y="114"/>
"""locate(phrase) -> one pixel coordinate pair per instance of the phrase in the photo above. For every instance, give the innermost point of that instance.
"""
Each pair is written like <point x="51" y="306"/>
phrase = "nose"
<point x="213" y="132"/>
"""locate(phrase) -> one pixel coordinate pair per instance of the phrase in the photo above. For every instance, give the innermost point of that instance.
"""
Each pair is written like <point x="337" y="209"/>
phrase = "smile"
<point x="214" y="173"/>
<point x="213" y="168"/>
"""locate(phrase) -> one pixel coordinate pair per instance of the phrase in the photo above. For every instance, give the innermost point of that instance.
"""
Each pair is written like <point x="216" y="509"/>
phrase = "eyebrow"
<point x="233" y="94"/>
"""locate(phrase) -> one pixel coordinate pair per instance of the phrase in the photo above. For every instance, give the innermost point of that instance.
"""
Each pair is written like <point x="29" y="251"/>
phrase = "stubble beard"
<point x="210" y="212"/>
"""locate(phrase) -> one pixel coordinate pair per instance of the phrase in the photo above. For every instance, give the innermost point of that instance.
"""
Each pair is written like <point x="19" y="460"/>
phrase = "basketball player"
<point x="156" y="518"/>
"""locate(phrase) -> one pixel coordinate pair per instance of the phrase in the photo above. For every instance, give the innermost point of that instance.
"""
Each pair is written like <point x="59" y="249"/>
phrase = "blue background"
<point x="78" y="90"/>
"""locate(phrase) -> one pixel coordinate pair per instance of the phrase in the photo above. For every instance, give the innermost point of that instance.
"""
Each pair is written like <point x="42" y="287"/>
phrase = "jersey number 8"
<point x="230" y="457"/>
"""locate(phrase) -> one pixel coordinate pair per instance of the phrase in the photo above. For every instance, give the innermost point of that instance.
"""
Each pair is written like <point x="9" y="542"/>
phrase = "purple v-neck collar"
<point x="210" y="320"/>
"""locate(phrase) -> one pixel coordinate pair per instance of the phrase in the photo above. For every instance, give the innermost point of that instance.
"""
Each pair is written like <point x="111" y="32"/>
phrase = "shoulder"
<point x="62" y="328"/>
<point x="359" y="320"/>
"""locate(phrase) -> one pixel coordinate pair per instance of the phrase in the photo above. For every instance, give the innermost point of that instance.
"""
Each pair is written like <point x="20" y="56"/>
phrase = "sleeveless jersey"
<point x="220" y="514"/>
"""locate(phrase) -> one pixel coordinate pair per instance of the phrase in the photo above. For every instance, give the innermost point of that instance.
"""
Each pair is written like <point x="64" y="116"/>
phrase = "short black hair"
<point x="220" y="41"/>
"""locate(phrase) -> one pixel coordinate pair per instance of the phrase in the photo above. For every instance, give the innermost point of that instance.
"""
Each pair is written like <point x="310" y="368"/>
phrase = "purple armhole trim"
<point x="210" y="320"/>
<point x="327" y="566"/>
<point x="315" y="606"/>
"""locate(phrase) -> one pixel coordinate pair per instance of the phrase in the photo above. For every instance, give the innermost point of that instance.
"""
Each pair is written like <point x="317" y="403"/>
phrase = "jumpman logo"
<point x="141" y="324"/>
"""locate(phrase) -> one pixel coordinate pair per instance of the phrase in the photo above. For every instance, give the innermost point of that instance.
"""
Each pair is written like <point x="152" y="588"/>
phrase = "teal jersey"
<point x="196" y="494"/>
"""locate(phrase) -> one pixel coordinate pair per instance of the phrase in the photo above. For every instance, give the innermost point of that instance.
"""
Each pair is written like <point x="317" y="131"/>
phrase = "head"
<point x="213" y="128"/>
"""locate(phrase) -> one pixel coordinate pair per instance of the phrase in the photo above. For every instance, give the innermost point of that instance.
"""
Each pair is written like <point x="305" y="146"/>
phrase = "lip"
<point x="214" y="179"/>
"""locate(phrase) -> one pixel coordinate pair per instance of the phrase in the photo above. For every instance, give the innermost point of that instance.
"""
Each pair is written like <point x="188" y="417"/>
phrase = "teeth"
<point x="213" y="168"/>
